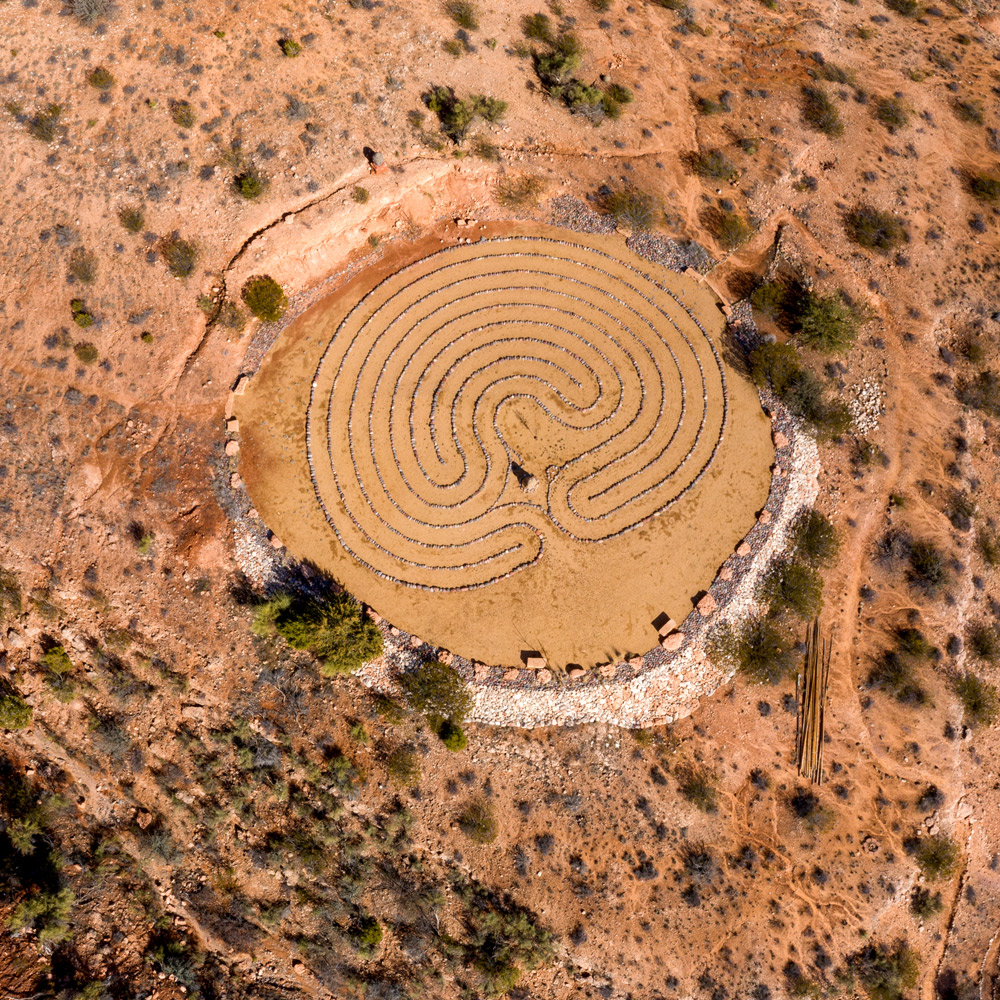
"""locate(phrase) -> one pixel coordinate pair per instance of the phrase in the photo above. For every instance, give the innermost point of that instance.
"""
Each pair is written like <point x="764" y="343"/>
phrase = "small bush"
<point x="403" y="766"/>
<point x="981" y="392"/>
<point x="886" y="973"/>
<point x="697" y="785"/>
<point x="761" y="650"/>
<point x="630" y="207"/>
<point x="179" y="255"/>
<point x="984" y="187"/>
<point x="132" y="218"/>
<point x="928" y="570"/>
<point x="43" y="125"/>
<point x="47" y="913"/>
<point x="988" y="545"/>
<point x="770" y="299"/>
<point x="984" y="641"/>
<point x="289" y="47"/>
<point x="908" y="8"/>
<point x="82" y="266"/>
<point x="265" y="298"/>
<point x="10" y="594"/>
<point x="730" y="229"/>
<point x="970" y="112"/>
<point x="463" y="13"/>
<point x="457" y="116"/>
<point x="791" y="586"/>
<point x="556" y="67"/>
<point x="478" y="822"/>
<point x="937" y="856"/>
<point x="519" y="190"/>
<point x="252" y="184"/>
<point x="714" y="165"/>
<point x="85" y="352"/>
<point x="890" y="112"/>
<point x="360" y="194"/>
<point x="820" y="113"/>
<point x="925" y="904"/>
<point x="101" y="79"/>
<point x="827" y="323"/>
<point x="437" y="691"/>
<point x="453" y="736"/>
<point x="874" y="229"/>
<point x="366" y="934"/>
<point x="182" y="113"/>
<point x="15" y="712"/>
<point x="980" y="700"/>
<point x="89" y="12"/>
<point x="815" y="538"/>
<point x="537" y="27"/>
<point x="806" y="806"/>
<point x="81" y="316"/>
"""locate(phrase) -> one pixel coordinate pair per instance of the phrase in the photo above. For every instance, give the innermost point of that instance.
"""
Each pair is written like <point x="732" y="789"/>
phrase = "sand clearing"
<point x="529" y="442"/>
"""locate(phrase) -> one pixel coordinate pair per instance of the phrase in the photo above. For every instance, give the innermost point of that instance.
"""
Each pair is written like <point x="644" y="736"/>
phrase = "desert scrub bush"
<point x="478" y="822"/>
<point x="928" y="571"/>
<point x="980" y="391"/>
<point x="82" y="266"/>
<point x="452" y="735"/>
<point x="335" y="629"/>
<point x="698" y="785"/>
<point x="437" y="691"/>
<point x="15" y="712"/>
<point x="886" y="972"/>
<point x="403" y="766"/>
<point x="970" y="112"/>
<point x="820" y="113"/>
<point x="988" y="546"/>
<point x="761" y="649"/>
<point x="43" y="125"/>
<point x="790" y="586"/>
<point x="807" y="808"/>
<point x="360" y="195"/>
<point x="47" y="913"/>
<point x="874" y="229"/>
<point x="827" y="323"/>
<point x="265" y="298"/>
<point x="231" y="316"/>
<point x="814" y="538"/>
<point x="769" y="298"/>
<point x="10" y="594"/>
<point x="985" y="187"/>
<point x="890" y="112"/>
<point x="101" y="78"/>
<point x="366" y="936"/>
<point x="628" y="206"/>
<point x="182" y="113"/>
<point x="78" y="310"/>
<point x="980" y="700"/>
<point x="537" y="27"/>
<point x="556" y="67"/>
<point x="730" y="229"/>
<point x="714" y="165"/>
<point x="252" y="184"/>
<point x="519" y="190"/>
<point x="132" y="218"/>
<point x="179" y="255"/>
<point x="894" y="669"/>
<point x="457" y="116"/>
<point x="925" y="904"/>
<point x="463" y="13"/>
<point x="983" y="641"/>
<point x="937" y="856"/>
<point x="89" y="12"/>
<point x="85" y="352"/>
<point x="289" y="47"/>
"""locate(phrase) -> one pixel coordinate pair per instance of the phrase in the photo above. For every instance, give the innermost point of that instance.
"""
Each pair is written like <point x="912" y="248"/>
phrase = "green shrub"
<point x="452" y="736"/>
<point x="769" y="299"/>
<point x="457" y="116"/>
<point x="403" y="766"/>
<point x="85" y="352"/>
<point x="478" y="822"/>
<point x="984" y="641"/>
<point x="183" y="113"/>
<point x="43" y="125"/>
<point x="289" y="47"/>
<point x="698" y="785"/>
<point x="265" y="298"/>
<point x="10" y="594"/>
<point x="886" y="973"/>
<point x="874" y="229"/>
<point x="556" y="67"/>
<point x="791" y="586"/>
<point x="980" y="700"/>
<point x="820" y="113"/>
<point x="928" y="570"/>
<point x="937" y="856"/>
<point x="729" y="228"/>
<point x="47" y="913"/>
<point x="179" y="255"/>
<point x="970" y="112"/>
<point x="83" y="266"/>
<point x="360" y="194"/>
<point x="827" y="323"/>
<point x="806" y="806"/>
<point x="908" y="8"/>
<point x="714" y="165"/>
<point x="15" y="712"/>
<point x="814" y="538"/>
<point x="252" y="184"/>
<point x="437" y="691"/>
<point x="984" y="187"/>
<point x="630" y="207"/>
<point x="81" y="316"/>
<point x="981" y="391"/>
<point x="463" y="13"/>
<point x="132" y="218"/>
<point x="891" y="113"/>
<point x="925" y="904"/>
<point x="988" y="544"/>
<point x="519" y="190"/>
<point x="366" y="935"/>
<point x="334" y="630"/>
<point x="537" y="27"/>
<point x="761" y="649"/>
<point x="101" y="79"/>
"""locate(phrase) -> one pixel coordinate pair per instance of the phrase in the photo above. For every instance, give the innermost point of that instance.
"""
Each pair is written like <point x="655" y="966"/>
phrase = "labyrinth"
<point x="534" y="411"/>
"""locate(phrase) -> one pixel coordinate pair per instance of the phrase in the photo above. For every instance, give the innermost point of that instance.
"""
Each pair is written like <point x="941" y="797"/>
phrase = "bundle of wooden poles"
<point x="810" y="693"/>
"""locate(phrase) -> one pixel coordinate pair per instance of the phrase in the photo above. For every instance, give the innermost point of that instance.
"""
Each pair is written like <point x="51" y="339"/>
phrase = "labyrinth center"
<point x="527" y="442"/>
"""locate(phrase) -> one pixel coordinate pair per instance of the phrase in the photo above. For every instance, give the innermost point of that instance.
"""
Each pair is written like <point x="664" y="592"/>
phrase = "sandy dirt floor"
<point x="527" y="443"/>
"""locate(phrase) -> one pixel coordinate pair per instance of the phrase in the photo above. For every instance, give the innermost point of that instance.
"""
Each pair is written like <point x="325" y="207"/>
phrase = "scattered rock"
<point x="743" y="549"/>
<point x="232" y="447"/>
<point x="706" y="605"/>
<point x="574" y="672"/>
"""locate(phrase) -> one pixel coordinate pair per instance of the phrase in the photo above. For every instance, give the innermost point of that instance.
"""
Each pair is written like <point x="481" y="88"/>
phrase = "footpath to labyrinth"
<point x="526" y="442"/>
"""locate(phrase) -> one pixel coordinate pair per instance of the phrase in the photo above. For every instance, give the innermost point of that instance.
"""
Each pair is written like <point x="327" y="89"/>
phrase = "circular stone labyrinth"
<point x="528" y="442"/>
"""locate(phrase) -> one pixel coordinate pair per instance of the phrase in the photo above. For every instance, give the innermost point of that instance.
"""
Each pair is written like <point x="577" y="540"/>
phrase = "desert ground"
<point x="191" y="805"/>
